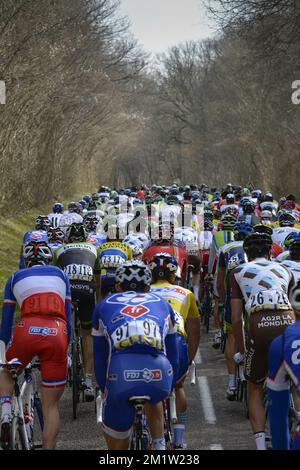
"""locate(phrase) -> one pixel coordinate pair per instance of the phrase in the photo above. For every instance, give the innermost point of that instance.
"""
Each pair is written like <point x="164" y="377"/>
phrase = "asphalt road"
<point x="214" y="423"/>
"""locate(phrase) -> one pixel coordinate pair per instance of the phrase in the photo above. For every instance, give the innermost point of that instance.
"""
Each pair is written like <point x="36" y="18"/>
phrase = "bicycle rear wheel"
<point x="18" y="439"/>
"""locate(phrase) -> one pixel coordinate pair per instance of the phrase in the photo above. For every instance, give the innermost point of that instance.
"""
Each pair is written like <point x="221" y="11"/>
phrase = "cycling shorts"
<point x="84" y="295"/>
<point x="263" y="328"/>
<point x="133" y="375"/>
<point x="108" y="284"/>
<point x="47" y="338"/>
<point x="183" y="358"/>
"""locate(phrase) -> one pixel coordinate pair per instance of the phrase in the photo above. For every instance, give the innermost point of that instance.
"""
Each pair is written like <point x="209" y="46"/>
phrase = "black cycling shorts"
<point x="84" y="295"/>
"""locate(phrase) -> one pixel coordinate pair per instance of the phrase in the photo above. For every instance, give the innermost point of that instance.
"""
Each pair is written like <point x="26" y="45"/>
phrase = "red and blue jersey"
<point x="40" y="291"/>
<point x="131" y="322"/>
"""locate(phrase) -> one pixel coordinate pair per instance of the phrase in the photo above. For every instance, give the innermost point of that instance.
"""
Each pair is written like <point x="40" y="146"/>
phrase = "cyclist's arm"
<point x="221" y="278"/>
<point x="278" y="397"/>
<point x="237" y="314"/>
<point x="192" y="327"/>
<point x="171" y="346"/>
<point x="8" y="311"/>
<point x="101" y="351"/>
<point x="68" y="308"/>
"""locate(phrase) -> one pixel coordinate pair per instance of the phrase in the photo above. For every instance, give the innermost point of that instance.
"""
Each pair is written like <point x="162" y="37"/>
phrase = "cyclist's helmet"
<point x="93" y="206"/>
<point x="76" y="233"/>
<point x="55" y="234"/>
<point x="208" y="225"/>
<point x="75" y="207"/>
<point x="37" y="253"/>
<point x="87" y="198"/>
<point x="256" y="194"/>
<point x="289" y="239"/>
<point x="294" y="247"/>
<point x="230" y="198"/>
<point x="208" y="214"/>
<point x="58" y="208"/>
<point x="228" y="222"/>
<point x="42" y="222"/>
<point x="163" y="265"/>
<point x="95" y="196"/>
<point x="232" y="211"/>
<point x="242" y="230"/>
<point x="133" y="276"/>
<point x="248" y="207"/>
<point x="268" y="197"/>
<point x="83" y="204"/>
<point x="286" y="219"/>
<point x="172" y="200"/>
<point x="289" y="205"/>
<point x="257" y="244"/>
<point x="91" y="222"/>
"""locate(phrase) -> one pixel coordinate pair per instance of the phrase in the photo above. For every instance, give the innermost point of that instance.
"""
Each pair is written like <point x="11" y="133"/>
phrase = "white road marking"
<point x="206" y="400"/>
<point x="215" y="447"/>
<point x="198" y="358"/>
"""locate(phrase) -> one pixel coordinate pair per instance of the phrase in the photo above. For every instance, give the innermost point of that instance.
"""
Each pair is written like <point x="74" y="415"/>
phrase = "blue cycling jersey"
<point x="130" y="322"/>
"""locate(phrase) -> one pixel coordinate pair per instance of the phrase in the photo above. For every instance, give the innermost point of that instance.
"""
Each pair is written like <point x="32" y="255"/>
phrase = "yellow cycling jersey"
<point x="182" y="301"/>
<point x="113" y="254"/>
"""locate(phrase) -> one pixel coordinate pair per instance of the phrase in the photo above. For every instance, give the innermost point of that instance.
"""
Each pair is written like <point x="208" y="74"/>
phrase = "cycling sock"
<point x="159" y="443"/>
<point x="5" y="404"/>
<point x="178" y="434"/>
<point x="231" y="381"/>
<point x="260" y="440"/>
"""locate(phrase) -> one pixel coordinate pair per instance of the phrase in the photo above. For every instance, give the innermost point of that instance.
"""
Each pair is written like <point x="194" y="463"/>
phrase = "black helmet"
<point x="257" y="244"/>
<point x="76" y="233"/>
<point x="75" y="207"/>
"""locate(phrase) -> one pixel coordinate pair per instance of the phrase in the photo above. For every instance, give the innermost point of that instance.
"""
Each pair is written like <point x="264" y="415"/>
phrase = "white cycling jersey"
<point x="264" y="285"/>
<point x="54" y="219"/>
<point x="68" y="219"/>
<point x="205" y="239"/>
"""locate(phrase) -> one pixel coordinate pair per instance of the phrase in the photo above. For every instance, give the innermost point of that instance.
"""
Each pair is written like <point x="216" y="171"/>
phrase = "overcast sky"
<point x="159" y="24"/>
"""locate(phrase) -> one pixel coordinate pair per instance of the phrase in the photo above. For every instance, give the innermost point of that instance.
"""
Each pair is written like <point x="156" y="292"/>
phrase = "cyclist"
<point x="231" y="255"/>
<point x="111" y="255"/>
<point x="73" y="215"/>
<point x="44" y="329"/>
<point x="56" y="214"/>
<point x="263" y="285"/>
<point x="220" y="238"/>
<point x="56" y="237"/>
<point x="42" y="224"/>
<point x="79" y="260"/>
<point x="183" y="302"/>
<point x="93" y="224"/>
<point x="134" y="354"/>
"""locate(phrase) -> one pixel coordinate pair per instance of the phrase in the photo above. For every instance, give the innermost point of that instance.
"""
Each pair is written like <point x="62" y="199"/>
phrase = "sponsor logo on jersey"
<point x="41" y="330"/>
<point x="132" y="298"/>
<point x="134" y="311"/>
<point x="36" y="236"/>
<point x="144" y="375"/>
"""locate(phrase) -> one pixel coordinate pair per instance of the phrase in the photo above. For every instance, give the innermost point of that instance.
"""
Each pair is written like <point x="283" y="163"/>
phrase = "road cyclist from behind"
<point x="44" y="330"/>
<point x="263" y="286"/>
<point x="135" y="354"/>
<point x="79" y="260"/>
<point x="183" y="302"/>
<point x="231" y="255"/>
